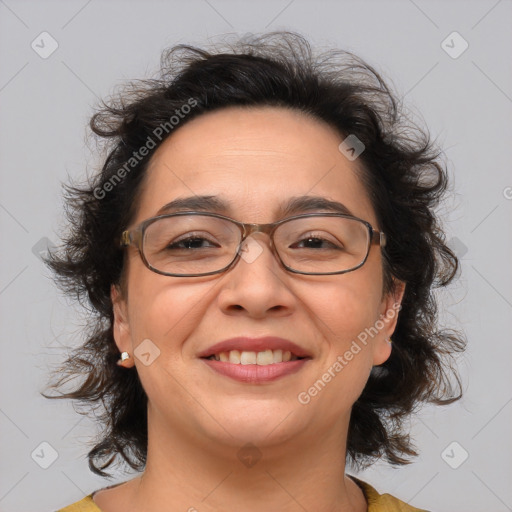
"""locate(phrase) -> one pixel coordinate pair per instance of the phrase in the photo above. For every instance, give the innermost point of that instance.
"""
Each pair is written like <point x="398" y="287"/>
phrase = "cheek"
<point x="165" y="313"/>
<point x="165" y="310"/>
<point x="345" y="312"/>
<point x="348" y="305"/>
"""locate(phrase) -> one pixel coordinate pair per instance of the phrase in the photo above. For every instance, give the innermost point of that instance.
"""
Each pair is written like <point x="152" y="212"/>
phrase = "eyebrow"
<point x="295" y="205"/>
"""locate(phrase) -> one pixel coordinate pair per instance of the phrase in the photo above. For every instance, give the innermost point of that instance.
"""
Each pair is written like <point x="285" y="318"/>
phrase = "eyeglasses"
<point x="193" y="244"/>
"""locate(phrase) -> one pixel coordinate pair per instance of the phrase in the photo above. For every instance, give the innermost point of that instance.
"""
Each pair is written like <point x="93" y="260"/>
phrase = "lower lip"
<point x="254" y="373"/>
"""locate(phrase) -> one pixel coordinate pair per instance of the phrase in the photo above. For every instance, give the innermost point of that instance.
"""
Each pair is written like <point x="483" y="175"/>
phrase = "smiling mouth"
<point x="263" y="358"/>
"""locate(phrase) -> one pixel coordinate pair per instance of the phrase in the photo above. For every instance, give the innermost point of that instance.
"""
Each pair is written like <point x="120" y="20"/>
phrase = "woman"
<point x="260" y="250"/>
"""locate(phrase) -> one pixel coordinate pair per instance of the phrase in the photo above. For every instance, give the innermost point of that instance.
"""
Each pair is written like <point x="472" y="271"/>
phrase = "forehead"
<point x="254" y="160"/>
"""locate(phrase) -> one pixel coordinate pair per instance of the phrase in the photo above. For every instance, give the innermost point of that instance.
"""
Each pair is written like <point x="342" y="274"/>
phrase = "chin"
<point x="262" y="423"/>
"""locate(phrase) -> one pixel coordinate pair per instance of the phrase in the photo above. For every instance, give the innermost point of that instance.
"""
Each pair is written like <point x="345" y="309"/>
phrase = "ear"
<point x="386" y="324"/>
<point x="121" y="327"/>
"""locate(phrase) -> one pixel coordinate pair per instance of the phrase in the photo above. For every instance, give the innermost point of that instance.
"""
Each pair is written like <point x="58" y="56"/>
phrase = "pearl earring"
<point x="124" y="357"/>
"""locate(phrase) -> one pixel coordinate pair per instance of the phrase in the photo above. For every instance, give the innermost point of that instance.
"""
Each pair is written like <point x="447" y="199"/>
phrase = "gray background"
<point x="45" y="106"/>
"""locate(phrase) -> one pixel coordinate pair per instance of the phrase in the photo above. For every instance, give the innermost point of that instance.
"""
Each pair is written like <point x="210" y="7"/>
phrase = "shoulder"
<point x="383" y="502"/>
<point x="85" y="505"/>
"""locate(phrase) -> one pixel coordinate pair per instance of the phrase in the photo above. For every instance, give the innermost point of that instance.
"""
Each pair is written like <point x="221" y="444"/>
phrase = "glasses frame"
<point x="135" y="237"/>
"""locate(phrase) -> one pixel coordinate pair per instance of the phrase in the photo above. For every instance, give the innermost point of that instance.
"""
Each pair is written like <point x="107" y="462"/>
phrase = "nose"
<point x="257" y="285"/>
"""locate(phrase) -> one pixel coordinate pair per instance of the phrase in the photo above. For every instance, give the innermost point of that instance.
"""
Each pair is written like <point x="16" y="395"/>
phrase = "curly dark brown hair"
<point x="401" y="170"/>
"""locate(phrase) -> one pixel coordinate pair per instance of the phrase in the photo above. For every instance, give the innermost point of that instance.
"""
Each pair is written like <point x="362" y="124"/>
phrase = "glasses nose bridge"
<point x="250" y="228"/>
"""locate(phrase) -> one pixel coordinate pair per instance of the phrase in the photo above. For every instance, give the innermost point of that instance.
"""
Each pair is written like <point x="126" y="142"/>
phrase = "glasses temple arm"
<point x="378" y="237"/>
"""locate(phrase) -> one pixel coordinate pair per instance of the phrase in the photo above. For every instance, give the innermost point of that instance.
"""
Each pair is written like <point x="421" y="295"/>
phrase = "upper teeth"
<point x="259" y="358"/>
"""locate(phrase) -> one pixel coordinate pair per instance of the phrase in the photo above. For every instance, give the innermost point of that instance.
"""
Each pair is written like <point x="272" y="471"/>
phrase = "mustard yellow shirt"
<point x="376" y="502"/>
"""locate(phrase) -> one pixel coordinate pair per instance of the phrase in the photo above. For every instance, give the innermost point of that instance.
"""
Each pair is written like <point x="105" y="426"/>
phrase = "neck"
<point x="191" y="473"/>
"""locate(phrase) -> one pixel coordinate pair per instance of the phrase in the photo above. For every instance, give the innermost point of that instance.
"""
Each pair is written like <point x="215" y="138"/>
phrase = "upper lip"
<point x="246" y="344"/>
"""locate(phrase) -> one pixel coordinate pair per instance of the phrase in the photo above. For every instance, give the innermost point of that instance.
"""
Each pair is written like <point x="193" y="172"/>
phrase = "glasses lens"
<point x="190" y="244"/>
<point x="322" y="244"/>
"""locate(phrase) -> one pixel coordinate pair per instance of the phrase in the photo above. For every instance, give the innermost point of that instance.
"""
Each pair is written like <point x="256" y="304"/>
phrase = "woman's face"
<point x="255" y="161"/>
